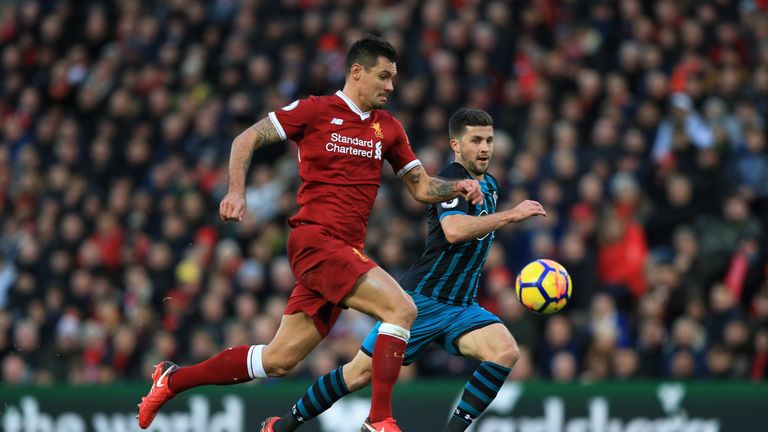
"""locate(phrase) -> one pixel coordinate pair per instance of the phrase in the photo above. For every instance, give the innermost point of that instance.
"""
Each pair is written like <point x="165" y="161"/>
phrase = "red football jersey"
<point x="341" y="152"/>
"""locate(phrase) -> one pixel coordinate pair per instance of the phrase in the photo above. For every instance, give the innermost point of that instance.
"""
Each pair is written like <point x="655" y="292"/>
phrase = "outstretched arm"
<point x="434" y="190"/>
<point x="232" y="207"/>
<point x="460" y="227"/>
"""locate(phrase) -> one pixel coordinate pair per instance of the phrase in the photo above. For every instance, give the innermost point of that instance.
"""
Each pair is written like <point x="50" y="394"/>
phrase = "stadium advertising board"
<point x="422" y="406"/>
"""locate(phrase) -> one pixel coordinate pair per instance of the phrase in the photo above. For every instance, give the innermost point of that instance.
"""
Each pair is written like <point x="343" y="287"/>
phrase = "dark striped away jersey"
<point x="446" y="272"/>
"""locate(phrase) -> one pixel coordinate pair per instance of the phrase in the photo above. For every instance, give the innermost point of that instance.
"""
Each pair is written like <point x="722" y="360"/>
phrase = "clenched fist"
<point x="232" y="207"/>
<point x="470" y="190"/>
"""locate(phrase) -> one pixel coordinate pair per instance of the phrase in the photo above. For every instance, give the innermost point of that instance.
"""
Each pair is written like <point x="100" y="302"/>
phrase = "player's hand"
<point x="232" y="207"/>
<point x="470" y="190"/>
<point x="526" y="209"/>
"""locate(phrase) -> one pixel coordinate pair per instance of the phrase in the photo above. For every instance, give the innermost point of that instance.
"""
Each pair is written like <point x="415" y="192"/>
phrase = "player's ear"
<point x="454" y="145"/>
<point x="355" y="70"/>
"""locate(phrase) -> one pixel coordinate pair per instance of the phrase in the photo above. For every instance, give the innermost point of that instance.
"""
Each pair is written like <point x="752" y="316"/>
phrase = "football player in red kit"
<point x="343" y="141"/>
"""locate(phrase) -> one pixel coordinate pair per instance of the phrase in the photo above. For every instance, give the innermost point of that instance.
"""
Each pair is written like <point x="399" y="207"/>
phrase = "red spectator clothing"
<point x="341" y="154"/>
<point x="682" y="73"/>
<point x="110" y="246"/>
<point x="759" y="366"/>
<point x="495" y="276"/>
<point x="527" y="76"/>
<point x="622" y="262"/>
<point x="737" y="273"/>
<point x="625" y="211"/>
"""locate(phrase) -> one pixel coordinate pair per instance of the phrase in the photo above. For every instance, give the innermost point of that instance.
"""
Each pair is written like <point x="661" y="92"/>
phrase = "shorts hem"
<point x="469" y="330"/>
<point x="322" y="327"/>
<point x="351" y="287"/>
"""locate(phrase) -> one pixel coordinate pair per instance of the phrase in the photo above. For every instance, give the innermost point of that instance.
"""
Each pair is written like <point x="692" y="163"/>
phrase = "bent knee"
<point x="401" y="311"/>
<point x="280" y="370"/>
<point x="409" y="311"/>
<point x="280" y="367"/>
<point x="507" y="356"/>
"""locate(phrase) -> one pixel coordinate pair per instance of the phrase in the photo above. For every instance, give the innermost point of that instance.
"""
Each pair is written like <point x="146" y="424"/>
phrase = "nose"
<point x="390" y="86"/>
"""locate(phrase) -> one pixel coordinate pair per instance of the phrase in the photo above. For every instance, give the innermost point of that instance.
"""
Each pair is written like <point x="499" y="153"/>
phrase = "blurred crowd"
<point x="640" y="125"/>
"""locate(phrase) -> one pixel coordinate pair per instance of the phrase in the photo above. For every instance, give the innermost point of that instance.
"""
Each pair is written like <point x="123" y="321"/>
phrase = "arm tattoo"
<point x="265" y="133"/>
<point x="441" y="188"/>
<point x="437" y="189"/>
<point x="415" y="176"/>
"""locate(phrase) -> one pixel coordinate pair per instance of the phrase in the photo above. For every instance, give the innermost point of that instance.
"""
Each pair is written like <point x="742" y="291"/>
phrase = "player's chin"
<point x="379" y="103"/>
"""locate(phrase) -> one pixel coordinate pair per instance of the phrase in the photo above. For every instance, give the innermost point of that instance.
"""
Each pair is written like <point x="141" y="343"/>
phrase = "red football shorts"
<point x="326" y="269"/>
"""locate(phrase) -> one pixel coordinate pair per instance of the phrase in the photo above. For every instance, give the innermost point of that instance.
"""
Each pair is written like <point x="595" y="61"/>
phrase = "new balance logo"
<point x="337" y="121"/>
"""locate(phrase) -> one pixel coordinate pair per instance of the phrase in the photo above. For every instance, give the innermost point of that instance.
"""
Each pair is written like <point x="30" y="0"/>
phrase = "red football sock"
<point x="227" y="367"/>
<point x="388" y="354"/>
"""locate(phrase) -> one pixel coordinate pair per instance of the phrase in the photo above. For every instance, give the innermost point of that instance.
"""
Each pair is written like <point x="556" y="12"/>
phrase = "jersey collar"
<point x="470" y="176"/>
<point x="352" y="106"/>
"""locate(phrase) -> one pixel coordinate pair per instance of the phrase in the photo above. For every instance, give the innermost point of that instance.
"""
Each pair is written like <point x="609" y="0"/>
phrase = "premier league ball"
<point x="543" y="286"/>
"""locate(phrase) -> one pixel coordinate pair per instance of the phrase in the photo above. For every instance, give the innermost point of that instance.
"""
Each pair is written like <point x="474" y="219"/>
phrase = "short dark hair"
<point x="366" y="52"/>
<point x="467" y="117"/>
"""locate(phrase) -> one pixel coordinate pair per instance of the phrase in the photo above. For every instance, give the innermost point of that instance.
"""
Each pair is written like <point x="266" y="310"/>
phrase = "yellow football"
<point x="544" y="286"/>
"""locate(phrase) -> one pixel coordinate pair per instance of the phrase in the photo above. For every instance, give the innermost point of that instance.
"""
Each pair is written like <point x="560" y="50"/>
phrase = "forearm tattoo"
<point x="441" y="188"/>
<point x="436" y="188"/>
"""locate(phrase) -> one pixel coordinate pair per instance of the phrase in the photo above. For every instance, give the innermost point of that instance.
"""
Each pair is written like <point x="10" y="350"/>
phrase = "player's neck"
<point x="479" y="177"/>
<point x="355" y="98"/>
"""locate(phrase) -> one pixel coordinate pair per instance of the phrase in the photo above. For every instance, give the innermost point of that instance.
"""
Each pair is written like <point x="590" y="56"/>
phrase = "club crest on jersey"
<point x="377" y="130"/>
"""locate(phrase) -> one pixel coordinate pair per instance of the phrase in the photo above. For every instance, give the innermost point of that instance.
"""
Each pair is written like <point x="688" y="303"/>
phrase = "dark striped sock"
<point x="321" y="395"/>
<point x="478" y="394"/>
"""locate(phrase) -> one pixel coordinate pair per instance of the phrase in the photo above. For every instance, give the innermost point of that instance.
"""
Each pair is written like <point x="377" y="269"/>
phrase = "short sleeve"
<point x="400" y="155"/>
<point x="291" y="120"/>
<point x="457" y="205"/>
